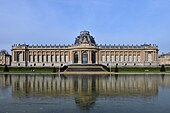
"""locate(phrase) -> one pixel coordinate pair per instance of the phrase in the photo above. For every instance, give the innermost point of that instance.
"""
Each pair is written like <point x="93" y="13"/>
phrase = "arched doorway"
<point x="84" y="58"/>
<point x="93" y="55"/>
<point x="75" y="57"/>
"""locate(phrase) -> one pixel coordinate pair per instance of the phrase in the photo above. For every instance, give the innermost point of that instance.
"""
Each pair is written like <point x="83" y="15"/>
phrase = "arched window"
<point x="84" y="57"/>
<point x="93" y="57"/>
<point x="75" y="57"/>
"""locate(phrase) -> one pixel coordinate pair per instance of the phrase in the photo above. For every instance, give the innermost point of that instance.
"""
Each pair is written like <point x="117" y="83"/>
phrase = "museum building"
<point x="84" y="51"/>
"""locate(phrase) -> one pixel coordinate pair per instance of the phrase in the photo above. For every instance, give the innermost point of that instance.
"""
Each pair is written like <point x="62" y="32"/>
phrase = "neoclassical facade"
<point x="5" y="58"/>
<point x="164" y="59"/>
<point x="84" y="51"/>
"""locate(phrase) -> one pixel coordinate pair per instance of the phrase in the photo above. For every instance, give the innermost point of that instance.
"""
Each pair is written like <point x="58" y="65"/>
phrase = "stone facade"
<point x="164" y="59"/>
<point x="84" y="51"/>
<point x="5" y="58"/>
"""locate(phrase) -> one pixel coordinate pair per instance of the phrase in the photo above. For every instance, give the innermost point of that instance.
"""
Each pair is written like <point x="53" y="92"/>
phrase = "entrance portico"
<point x="85" y="57"/>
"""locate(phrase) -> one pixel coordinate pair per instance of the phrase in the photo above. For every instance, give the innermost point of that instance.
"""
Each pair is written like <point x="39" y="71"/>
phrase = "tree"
<point x="116" y="69"/>
<point x="6" y="69"/>
<point x="162" y="68"/>
<point x="54" y="69"/>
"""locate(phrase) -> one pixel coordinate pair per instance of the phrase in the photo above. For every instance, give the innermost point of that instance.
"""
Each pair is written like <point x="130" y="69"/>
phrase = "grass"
<point x="140" y="69"/>
<point x="123" y="69"/>
<point x="29" y="69"/>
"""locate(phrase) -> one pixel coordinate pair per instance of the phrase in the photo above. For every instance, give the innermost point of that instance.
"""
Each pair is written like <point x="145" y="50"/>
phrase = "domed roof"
<point x="3" y="51"/>
<point x="84" y="38"/>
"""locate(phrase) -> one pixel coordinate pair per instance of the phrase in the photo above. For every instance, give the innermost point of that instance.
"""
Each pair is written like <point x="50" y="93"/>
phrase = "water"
<point x="84" y="93"/>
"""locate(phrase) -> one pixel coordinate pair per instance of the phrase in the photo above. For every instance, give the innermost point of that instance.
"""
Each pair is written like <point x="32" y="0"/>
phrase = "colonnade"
<point x="93" y="56"/>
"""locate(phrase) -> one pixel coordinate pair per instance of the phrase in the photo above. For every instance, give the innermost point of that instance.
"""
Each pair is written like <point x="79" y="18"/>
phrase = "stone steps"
<point x="85" y="68"/>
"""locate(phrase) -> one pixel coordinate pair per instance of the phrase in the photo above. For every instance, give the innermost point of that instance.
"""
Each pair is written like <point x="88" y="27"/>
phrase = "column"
<point x="42" y="56"/>
<point x="119" y="56"/>
<point x="71" y="57"/>
<point x="132" y="56"/>
<point x="23" y="56"/>
<point x="45" y="58"/>
<point x="146" y="56"/>
<point x="79" y="57"/>
<point x="114" y="56"/>
<point x="36" y="57"/>
<point x="127" y="56"/>
<point x="142" y="56"/>
<point x="50" y="58"/>
<point x="90" y="61"/>
<point x="136" y="56"/>
<point x="123" y="56"/>
<point x="59" y="56"/>
<point x="88" y="56"/>
<point x="105" y="54"/>
<point x="109" y="57"/>
<point x="13" y="56"/>
<point x="154" y="55"/>
<point x="97" y="56"/>
<point x="31" y="56"/>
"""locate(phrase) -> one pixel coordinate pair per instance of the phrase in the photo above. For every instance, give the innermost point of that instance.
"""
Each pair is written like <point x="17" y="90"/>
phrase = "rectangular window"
<point x="134" y="58"/>
<point x="58" y="58"/>
<point x="138" y="59"/>
<point x="66" y="58"/>
<point x="130" y="58"/>
<point x="112" y="58"/>
<point x="107" y="58"/>
<point x="38" y="59"/>
<point x="116" y="58"/>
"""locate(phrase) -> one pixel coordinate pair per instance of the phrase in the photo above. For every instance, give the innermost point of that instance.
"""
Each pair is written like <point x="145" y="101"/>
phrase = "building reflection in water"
<point x="85" y="88"/>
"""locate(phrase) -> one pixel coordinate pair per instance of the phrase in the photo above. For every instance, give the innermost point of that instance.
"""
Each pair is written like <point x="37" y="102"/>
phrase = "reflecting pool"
<point x="85" y="93"/>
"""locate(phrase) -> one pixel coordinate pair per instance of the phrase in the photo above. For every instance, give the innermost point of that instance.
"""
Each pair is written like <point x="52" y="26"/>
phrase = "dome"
<point x="3" y="51"/>
<point x="84" y="38"/>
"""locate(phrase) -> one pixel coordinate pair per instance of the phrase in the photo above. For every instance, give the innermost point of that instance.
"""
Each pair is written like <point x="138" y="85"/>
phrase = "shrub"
<point x="6" y="69"/>
<point x="162" y="68"/>
<point x="54" y="69"/>
<point x="116" y="69"/>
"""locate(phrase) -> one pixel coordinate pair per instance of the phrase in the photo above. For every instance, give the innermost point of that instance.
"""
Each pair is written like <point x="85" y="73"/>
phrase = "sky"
<point x="109" y="21"/>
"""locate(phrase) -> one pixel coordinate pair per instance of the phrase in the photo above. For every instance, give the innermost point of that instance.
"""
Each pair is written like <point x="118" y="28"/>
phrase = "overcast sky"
<point x="109" y="21"/>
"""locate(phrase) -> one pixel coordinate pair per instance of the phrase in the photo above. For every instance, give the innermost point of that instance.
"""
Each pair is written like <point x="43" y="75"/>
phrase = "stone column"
<point x="132" y="56"/>
<point x="45" y="58"/>
<point x="50" y="60"/>
<point x="42" y="57"/>
<point x="13" y="55"/>
<point x="105" y="54"/>
<point x="90" y="60"/>
<point x="109" y="57"/>
<point x="114" y="55"/>
<point x="123" y="56"/>
<point x="97" y="56"/>
<point x="79" y="57"/>
<point x="59" y="57"/>
<point x="146" y="55"/>
<point x="119" y="56"/>
<point x="36" y="57"/>
<point x="136" y="56"/>
<point x="155" y="56"/>
<point x="71" y="57"/>
<point x="88" y="56"/>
